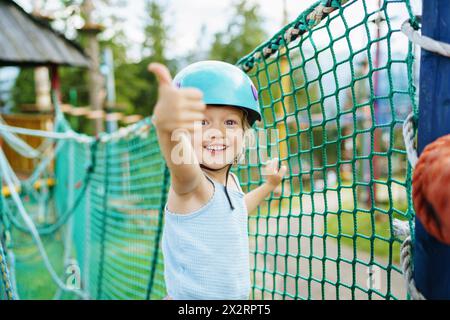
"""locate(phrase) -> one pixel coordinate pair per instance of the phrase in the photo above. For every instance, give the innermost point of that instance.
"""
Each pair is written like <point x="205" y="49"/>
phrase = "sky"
<point x="186" y="19"/>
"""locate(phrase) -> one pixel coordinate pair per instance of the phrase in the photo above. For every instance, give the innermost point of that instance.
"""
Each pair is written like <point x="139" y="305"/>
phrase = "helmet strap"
<point x="213" y="170"/>
<point x="228" y="166"/>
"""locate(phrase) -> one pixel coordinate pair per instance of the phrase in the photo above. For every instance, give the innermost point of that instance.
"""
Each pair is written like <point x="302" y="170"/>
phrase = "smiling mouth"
<point x="216" y="148"/>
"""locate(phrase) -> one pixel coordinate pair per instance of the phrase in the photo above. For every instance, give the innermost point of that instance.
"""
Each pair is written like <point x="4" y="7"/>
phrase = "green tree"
<point x="23" y="91"/>
<point x="243" y="34"/>
<point x="156" y="34"/>
<point x="155" y="30"/>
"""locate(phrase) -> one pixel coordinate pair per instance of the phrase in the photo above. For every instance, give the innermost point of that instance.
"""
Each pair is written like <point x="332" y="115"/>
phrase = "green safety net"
<point x="117" y="227"/>
<point x="335" y="86"/>
<point x="338" y="95"/>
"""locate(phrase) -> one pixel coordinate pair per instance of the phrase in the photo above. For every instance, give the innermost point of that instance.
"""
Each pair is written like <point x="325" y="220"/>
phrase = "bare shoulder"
<point x="192" y="201"/>
<point x="235" y="185"/>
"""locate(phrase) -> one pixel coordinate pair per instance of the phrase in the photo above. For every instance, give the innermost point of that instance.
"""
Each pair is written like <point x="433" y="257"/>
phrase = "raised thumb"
<point x="161" y="72"/>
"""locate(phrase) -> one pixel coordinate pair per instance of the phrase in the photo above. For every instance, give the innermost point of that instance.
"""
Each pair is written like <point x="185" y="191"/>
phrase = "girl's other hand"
<point x="274" y="175"/>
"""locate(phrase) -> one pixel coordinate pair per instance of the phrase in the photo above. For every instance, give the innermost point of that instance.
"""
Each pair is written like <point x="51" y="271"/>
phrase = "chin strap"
<point x="226" y="180"/>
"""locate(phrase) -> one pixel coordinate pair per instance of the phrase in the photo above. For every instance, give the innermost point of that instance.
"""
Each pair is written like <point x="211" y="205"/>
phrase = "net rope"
<point x="337" y="83"/>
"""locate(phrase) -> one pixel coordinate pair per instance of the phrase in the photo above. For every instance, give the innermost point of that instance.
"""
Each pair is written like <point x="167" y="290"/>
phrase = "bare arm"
<point x="185" y="175"/>
<point x="254" y="198"/>
<point x="274" y="177"/>
<point x="174" y="116"/>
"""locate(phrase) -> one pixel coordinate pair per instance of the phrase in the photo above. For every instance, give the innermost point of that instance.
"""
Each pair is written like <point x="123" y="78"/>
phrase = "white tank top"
<point x="206" y="252"/>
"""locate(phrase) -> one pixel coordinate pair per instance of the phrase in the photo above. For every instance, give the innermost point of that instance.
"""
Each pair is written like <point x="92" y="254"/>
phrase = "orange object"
<point x="21" y="165"/>
<point x="431" y="189"/>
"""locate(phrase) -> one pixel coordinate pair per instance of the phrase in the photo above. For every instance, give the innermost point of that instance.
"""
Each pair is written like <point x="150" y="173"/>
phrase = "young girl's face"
<point x="219" y="139"/>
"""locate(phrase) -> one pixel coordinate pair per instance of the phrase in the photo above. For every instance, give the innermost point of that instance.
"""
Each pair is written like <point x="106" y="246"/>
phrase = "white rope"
<point x="425" y="42"/>
<point x="45" y="162"/>
<point x="406" y="263"/>
<point x="17" y="143"/>
<point x="28" y="184"/>
<point x="11" y="260"/>
<point x="46" y="158"/>
<point x="69" y="226"/>
<point x="23" y="148"/>
<point x="67" y="251"/>
<point x="12" y="272"/>
<point x="69" y="135"/>
<point x="408" y="137"/>
<point x="30" y="181"/>
<point x="11" y="172"/>
<point x="138" y="129"/>
<point x="33" y="230"/>
<point x="87" y="242"/>
<point x="44" y="146"/>
<point x="401" y="227"/>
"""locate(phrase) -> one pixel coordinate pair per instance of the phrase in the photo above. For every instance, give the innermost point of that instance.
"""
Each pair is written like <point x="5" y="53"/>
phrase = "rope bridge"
<point x="336" y="83"/>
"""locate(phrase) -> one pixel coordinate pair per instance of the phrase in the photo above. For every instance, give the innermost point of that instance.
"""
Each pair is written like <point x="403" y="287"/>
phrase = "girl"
<point x="205" y="237"/>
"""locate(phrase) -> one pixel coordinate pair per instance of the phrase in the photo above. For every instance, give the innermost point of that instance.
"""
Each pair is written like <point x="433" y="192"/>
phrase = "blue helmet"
<point x="222" y="84"/>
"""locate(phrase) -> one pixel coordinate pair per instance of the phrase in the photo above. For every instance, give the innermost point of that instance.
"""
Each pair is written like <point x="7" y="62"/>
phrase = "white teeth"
<point x="216" y="148"/>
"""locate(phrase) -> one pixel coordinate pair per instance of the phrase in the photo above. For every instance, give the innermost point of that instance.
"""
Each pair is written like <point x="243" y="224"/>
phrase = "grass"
<point x="35" y="283"/>
<point x="33" y="279"/>
<point x="367" y="233"/>
<point x="370" y="232"/>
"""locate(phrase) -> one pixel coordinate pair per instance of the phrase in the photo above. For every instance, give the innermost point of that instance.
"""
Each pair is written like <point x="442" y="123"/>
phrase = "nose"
<point x="215" y="131"/>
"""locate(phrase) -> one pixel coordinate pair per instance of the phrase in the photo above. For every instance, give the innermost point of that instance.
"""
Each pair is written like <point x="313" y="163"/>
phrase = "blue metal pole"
<point x="432" y="258"/>
<point x="108" y="71"/>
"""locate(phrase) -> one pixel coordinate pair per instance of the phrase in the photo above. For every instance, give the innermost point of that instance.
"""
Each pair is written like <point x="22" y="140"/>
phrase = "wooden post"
<point x="96" y="81"/>
<point x="42" y="87"/>
<point x="41" y="76"/>
<point x="111" y="122"/>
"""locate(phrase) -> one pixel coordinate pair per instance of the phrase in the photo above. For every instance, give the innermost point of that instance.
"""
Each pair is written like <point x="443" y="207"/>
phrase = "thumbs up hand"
<point x="176" y="108"/>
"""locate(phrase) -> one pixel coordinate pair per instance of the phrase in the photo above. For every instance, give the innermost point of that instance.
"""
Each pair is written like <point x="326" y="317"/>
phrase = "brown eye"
<point x="231" y="122"/>
<point x="204" y="122"/>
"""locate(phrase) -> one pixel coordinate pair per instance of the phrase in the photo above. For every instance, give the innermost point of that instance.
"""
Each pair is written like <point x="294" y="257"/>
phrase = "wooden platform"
<point x="20" y="164"/>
